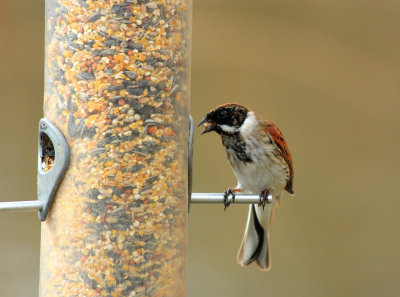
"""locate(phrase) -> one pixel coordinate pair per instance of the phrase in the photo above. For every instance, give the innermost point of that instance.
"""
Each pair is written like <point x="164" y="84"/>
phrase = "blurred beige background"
<point x="326" y="72"/>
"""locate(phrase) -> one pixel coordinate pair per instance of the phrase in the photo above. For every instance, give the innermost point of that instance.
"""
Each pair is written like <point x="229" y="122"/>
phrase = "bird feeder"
<point x="117" y="86"/>
<point x="114" y="164"/>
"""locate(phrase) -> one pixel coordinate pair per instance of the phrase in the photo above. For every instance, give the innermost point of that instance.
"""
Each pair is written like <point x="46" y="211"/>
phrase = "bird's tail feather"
<point x="263" y="258"/>
<point x="255" y="244"/>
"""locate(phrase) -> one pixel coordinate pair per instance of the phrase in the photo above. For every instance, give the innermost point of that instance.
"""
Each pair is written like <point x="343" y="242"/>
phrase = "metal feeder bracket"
<point x="190" y="160"/>
<point x="53" y="160"/>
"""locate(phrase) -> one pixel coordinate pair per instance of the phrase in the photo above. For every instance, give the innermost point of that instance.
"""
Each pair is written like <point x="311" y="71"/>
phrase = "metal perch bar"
<point x="198" y="198"/>
<point x="21" y="206"/>
<point x="219" y="198"/>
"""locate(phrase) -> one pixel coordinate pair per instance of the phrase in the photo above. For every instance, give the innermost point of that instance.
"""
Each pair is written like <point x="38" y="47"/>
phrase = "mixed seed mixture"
<point x="117" y="87"/>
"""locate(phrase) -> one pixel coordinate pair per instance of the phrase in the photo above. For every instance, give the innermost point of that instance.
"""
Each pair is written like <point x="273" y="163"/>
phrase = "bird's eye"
<point x="223" y="113"/>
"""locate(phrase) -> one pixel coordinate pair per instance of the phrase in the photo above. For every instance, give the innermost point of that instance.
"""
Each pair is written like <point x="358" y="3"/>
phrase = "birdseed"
<point x="117" y="86"/>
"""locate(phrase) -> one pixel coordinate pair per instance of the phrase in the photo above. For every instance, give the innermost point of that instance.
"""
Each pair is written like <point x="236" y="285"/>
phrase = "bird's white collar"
<point x="249" y="123"/>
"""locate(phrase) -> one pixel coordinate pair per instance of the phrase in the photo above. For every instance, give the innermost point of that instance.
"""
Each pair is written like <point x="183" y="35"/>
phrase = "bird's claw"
<point x="226" y="198"/>
<point x="263" y="198"/>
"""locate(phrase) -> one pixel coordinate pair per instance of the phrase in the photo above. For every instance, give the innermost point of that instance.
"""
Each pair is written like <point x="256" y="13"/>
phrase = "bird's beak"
<point x="208" y="126"/>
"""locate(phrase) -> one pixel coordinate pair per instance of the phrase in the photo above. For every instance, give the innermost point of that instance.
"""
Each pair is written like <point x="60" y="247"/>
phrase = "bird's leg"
<point x="263" y="198"/>
<point x="226" y="197"/>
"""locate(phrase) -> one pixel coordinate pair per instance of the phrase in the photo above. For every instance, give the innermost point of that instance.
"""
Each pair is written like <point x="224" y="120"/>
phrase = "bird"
<point x="262" y="163"/>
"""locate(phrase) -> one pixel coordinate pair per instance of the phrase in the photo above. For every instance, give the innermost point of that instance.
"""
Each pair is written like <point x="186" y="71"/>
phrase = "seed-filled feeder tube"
<point x="117" y="87"/>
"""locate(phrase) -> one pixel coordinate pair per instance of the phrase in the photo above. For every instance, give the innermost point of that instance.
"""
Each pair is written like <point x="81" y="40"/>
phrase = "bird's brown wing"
<point x="277" y="137"/>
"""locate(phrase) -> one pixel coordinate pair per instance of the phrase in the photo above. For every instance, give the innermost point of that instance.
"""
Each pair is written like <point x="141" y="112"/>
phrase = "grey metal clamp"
<point x="53" y="160"/>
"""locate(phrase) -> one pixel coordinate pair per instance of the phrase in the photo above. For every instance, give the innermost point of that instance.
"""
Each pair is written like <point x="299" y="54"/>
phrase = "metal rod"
<point x="21" y="205"/>
<point x="219" y="198"/>
<point x="198" y="198"/>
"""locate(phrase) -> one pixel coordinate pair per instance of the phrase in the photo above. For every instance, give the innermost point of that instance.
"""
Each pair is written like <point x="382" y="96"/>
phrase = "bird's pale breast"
<point x="266" y="170"/>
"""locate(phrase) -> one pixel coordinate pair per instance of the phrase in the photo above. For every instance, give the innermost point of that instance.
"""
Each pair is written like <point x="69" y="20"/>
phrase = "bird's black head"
<point x="225" y="118"/>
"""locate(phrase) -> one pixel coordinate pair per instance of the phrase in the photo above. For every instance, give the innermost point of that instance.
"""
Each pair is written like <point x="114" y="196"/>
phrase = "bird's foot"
<point x="226" y="198"/>
<point x="264" y="198"/>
